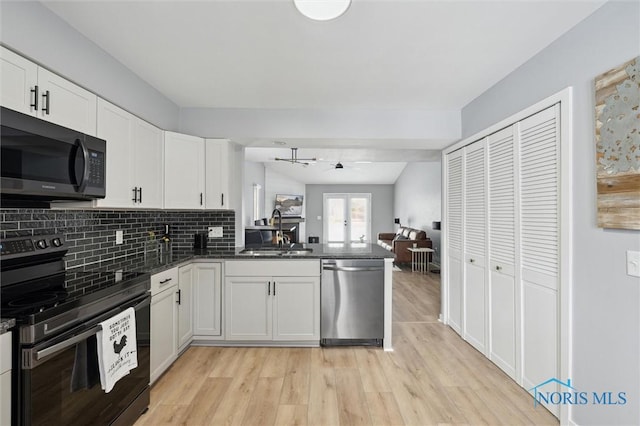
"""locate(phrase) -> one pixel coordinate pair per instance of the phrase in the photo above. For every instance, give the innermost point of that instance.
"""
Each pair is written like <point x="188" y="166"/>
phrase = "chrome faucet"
<point x="279" y="238"/>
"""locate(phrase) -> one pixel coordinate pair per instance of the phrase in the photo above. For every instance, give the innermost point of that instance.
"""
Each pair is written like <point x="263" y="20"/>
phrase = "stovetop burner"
<point x="35" y="300"/>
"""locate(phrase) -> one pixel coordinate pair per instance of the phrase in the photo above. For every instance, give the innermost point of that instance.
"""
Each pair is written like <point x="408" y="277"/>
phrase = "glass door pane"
<point x="336" y="218"/>
<point x="359" y="219"/>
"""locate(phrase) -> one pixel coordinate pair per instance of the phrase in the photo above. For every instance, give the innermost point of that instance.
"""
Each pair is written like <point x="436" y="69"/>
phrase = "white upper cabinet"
<point x="115" y="126"/>
<point x="219" y="156"/>
<point x="148" y="171"/>
<point x="184" y="182"/>
<point x="18" y="78"/>
<point x="66" y="104"/>
<point x="34" y="90"/>
<point x="134" y="159"/>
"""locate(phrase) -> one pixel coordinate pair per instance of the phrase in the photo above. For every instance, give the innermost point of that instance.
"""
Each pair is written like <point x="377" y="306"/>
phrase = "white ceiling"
<point x="381" y="54"/>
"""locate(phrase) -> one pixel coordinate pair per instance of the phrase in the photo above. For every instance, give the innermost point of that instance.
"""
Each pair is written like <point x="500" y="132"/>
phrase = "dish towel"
<point x="117" y="348"/>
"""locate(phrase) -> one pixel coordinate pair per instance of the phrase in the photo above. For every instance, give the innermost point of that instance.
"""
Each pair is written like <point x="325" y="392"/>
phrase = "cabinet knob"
<point x="472" y="260"/>
<point x="498" y="268"/>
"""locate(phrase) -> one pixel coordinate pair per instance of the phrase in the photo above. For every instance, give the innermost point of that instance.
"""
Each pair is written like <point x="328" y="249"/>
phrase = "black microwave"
<point x="42" y="162"/>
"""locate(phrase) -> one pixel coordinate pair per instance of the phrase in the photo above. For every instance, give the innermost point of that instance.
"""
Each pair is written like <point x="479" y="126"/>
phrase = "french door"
<point x="347" y="218"/>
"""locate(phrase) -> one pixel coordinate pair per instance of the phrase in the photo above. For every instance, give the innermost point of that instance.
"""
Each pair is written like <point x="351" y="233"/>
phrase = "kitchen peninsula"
<point x="243" y="297"/>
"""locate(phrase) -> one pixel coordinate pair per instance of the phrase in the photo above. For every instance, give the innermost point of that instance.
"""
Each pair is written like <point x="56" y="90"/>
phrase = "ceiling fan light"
<point x="295" y="160"/>
<point x="322" y="10"/>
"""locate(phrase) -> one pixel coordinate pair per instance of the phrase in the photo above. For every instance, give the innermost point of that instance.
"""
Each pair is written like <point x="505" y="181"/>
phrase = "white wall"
<point x="381" y="206"/>
<point x="34" y="31"/>
<point x="606" y="302"/>
<point x="276" y="183"/>
<point x="417" y="199"/>
<point x="325" y="124"/>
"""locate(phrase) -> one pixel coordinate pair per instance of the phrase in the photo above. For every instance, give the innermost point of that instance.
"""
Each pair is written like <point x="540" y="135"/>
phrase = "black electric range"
<point x="43" y="297"/>
<point x="58" y="313"/>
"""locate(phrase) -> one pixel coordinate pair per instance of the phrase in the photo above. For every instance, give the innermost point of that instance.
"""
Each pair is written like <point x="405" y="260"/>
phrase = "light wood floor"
<point x="432" y="377"/>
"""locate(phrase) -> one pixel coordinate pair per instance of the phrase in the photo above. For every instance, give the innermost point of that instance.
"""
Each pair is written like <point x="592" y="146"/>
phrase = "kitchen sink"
<point x="268" y="251"/>
<point x="298" y="252"/>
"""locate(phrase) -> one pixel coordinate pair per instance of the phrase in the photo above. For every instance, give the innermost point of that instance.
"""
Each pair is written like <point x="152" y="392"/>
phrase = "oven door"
<point x="61" y="385"/>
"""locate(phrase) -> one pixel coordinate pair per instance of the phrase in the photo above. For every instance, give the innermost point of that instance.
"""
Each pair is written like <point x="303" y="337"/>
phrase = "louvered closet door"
<point x="475" y="240"/>
<point x="539" y="248"/>
<point x="502" y="248"/>
<point x="454" y="239"/>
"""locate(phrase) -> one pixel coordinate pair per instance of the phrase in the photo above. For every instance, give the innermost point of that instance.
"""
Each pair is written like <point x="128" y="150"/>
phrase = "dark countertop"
<point x="155" y="264"/>
<point x="6" y="324"/>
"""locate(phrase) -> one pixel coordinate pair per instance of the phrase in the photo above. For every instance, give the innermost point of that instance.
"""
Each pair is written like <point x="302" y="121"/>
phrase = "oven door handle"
<point x="35" y="357"/>
<point x="39" y="355"/>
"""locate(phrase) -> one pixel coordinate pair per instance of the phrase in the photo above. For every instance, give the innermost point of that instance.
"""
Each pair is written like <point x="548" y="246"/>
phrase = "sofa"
<point x="401" y="240"/>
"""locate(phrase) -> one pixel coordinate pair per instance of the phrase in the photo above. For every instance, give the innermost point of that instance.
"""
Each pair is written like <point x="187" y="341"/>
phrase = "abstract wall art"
<point x="617" y="130"/>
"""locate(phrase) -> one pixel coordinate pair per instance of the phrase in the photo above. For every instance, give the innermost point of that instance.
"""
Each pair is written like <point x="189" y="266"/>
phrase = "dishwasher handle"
<point x="330" y="267"/>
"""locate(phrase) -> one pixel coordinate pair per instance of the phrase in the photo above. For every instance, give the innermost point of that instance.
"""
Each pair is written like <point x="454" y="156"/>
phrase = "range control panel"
<point x="31" y="245"/>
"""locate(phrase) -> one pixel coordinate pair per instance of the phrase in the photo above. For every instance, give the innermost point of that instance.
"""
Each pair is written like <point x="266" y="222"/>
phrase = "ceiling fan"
<point x="295" y="160"/>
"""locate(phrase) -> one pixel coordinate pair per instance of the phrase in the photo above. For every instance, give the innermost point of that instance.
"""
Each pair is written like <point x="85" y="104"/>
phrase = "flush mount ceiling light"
<point x="322" y="10"/>
<point x="295" y="160"/>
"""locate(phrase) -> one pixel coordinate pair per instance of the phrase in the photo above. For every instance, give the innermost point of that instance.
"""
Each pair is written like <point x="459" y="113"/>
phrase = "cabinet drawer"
<point x="164" y="280"/>
<point x="261" y="268"/>
<point x="5" y="352"/>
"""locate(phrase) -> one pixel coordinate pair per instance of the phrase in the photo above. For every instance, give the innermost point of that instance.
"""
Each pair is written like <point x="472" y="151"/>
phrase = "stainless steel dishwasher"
<point x="352" y="302"/>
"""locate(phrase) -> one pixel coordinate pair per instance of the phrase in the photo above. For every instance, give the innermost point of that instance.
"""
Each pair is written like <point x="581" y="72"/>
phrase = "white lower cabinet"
<point x="5" y="379"/>
<point x="164" y="316"/>
<point x="282" y="307"/>
<point x="186" y="279"/>
<point x="207" y="300"/>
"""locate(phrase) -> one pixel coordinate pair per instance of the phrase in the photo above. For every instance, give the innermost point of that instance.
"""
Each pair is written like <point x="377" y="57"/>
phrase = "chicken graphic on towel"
<point x="117" y="347"/>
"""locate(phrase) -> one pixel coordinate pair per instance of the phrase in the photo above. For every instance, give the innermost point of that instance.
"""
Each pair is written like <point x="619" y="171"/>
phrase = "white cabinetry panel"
<point x="540" y="245"/>
<point x="503" y="215"/>
<point x="540" y="337"/>
<point x="134" y="159"/>
<point x="207" y="305"/>
<point x="164" y="344"/>
<point x="454" y="239"/>
<point x="116" y="127"/>
<point x="183" y="171"/>
<point x="248" y="308"/>
<point x="502" y="250"/>
<point x="5" y="378"/>
<point x="218" y="160"/>
<point x="66" y="104"/>
<point x="503" y="322"/>
<point x="18" y="81"/>
<point x="539" y="189"/>
<point x="148" y="157"/>
<point x="30" y="89"/>
<point x="185" y="306"/>
<point x="474" y="207"/>
<point x="296" y="308"/>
